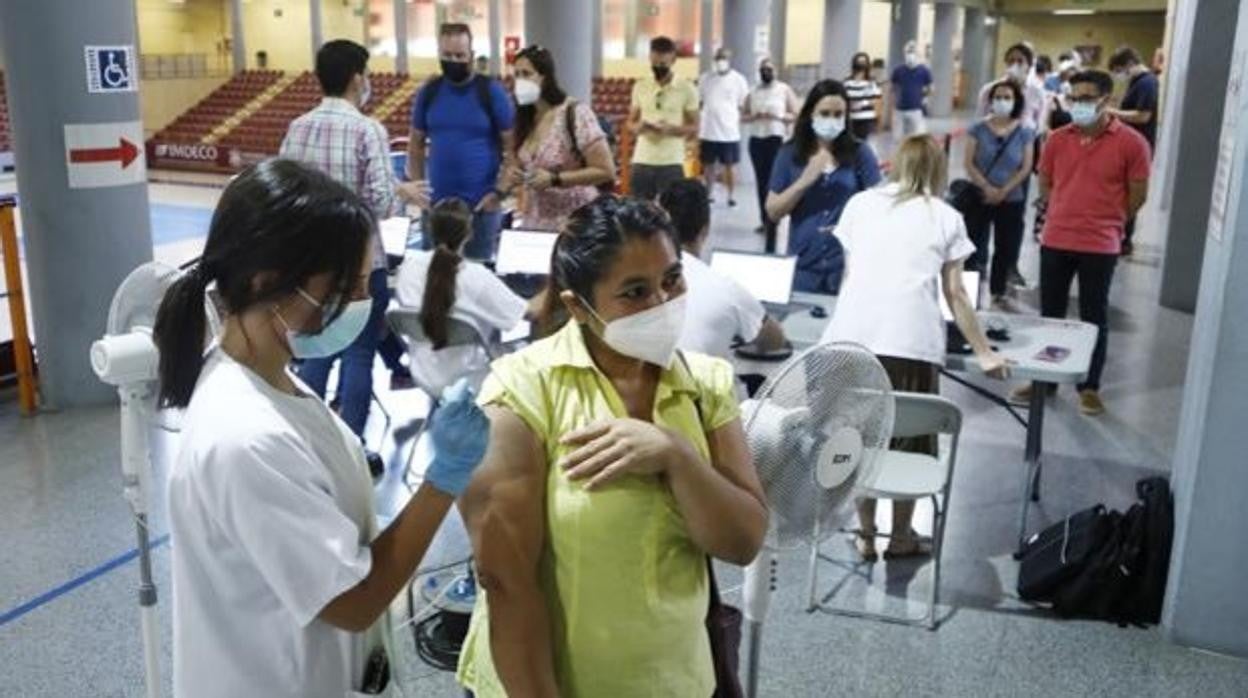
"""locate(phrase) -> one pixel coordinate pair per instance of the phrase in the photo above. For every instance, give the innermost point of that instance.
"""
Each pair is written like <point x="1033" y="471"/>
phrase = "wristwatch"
<point x="556" y="180"/>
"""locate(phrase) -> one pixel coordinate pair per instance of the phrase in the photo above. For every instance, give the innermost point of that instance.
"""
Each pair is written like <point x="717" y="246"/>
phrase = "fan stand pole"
<point x="135" y="467"/>
<point x="813" y="574"/>
<point x="756" y="590"/>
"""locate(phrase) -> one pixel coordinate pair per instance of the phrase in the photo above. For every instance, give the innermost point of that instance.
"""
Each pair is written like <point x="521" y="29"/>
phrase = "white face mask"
<point x="1018" y="71"/>
<point x="912" y="59"/>
<point x="650" y="335"/>
<point x="1002" y="107"/>
<point x="366" y="93"/>
<point x="721" y="65"/>
<point x="827" y="127"/>
<point x="526" y="91"/>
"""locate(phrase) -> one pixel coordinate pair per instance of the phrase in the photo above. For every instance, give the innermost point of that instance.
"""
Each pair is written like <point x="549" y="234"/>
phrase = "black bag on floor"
<point x="1124" y="579"/>
<point x="1055" y="555"/>
<point x="1151" y="564"/>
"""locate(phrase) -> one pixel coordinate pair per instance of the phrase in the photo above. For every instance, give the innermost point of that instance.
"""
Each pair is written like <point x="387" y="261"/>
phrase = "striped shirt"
<point x="862" y="97"/>
<point x="338" y="140"/>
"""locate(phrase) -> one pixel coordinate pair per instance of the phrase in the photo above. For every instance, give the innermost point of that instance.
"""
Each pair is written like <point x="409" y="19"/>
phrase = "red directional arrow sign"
<point x="125" y="153"/>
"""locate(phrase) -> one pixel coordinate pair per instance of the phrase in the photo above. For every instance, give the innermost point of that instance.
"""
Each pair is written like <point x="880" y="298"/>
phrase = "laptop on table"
<point x="767" y="277"/>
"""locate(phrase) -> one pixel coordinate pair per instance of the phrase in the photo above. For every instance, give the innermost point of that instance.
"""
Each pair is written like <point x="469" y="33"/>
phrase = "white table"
<point x="1028" y="335"/>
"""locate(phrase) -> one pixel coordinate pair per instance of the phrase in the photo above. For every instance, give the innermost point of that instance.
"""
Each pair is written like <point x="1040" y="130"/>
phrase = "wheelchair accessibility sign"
<point x="110" y="69"/>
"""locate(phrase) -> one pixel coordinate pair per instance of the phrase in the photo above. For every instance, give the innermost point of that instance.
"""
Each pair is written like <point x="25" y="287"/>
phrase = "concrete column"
<point x="945" y="27"/>
<point x="559" y="25"/>
<point x="903" y="28"/>
<point x="317" y="25"/>
<point x="596" y="39"/>
<point x="974" y="38"/>
<point x="706" y="36"/>
<point x="742" y="20"/>
<point x="495" y="24"/>
<point x="400" y="37"/>
<point x="1189" y="132"/>
<point x="237" y="42"/>
<point x="1205" y="604"/>
<point x="842" y="37"/>
<point x="779" y="37"/>
<point x="630" y="28"/>
<point x="80" y="242"/>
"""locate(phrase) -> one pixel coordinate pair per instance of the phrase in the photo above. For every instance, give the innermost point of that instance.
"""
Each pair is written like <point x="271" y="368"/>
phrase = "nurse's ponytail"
<point x="278" y="224"/>
<point x="179" y="334"/>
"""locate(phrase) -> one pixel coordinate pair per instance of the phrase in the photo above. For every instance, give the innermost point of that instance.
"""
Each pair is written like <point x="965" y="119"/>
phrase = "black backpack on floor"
<point x="1122" y="579"/>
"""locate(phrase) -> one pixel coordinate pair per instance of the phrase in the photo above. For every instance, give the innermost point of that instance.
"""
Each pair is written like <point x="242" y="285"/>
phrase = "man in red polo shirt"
<point x="1094" y="174"/>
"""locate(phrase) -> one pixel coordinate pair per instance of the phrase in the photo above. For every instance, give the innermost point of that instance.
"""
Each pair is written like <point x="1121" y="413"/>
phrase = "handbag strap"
<point x="1001" y="150"/>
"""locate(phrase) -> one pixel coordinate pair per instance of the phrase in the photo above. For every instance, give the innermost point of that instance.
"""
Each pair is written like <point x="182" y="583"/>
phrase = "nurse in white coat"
<point x="280" y="578"/>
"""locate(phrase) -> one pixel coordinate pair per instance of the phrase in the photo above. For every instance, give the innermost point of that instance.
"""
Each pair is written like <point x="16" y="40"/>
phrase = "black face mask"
<point x="661" y="71"/>
<point x="767" y="75"/>
<point x="456" y="71"/>
<point x="861" y="68"/>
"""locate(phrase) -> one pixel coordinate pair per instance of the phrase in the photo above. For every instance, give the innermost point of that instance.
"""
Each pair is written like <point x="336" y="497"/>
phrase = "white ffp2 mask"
<point x="650" y="335"/>
<point x="526" y="91"/>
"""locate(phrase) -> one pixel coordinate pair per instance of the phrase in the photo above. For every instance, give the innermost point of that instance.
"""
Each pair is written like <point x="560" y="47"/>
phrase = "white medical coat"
<point x="270" y="507"/>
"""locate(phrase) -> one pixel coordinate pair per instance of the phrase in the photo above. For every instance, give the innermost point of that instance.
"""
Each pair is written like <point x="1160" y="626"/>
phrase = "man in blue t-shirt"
<point x="911" y="86"/>
<point x="1138" y="108"/>
<point x="468" y="121"/>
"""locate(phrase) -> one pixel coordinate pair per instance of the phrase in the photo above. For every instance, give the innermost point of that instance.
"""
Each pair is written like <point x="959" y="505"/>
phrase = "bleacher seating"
<point x="212" y="111"/>
<point x="261" y="132"/>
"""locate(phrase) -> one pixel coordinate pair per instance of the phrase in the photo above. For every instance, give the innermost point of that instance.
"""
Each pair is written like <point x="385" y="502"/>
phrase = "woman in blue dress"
<point x="815" y="173"/>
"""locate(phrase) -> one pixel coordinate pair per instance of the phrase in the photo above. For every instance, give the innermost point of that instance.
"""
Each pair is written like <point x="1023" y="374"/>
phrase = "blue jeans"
<point x="356" y="383"/>
<point x="484" y="241"/>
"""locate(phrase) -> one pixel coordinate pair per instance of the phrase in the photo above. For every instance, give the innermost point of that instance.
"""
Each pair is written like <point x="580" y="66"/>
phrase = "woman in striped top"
<point x="864" y="98"/>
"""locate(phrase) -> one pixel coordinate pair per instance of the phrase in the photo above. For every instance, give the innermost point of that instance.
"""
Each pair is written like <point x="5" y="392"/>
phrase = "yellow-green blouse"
<point x="626" y="586"/>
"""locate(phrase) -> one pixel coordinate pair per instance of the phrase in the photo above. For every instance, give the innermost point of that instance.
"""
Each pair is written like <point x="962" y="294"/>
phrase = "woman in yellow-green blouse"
<point x="616" y="466"/>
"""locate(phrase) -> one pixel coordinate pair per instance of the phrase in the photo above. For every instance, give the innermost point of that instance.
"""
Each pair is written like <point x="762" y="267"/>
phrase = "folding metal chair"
<point x="917" y="476"/>
<point x="460" y="332"/>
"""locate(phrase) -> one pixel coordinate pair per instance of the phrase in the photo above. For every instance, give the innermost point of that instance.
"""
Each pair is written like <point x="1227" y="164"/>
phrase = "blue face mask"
<point x="334" y="337"/>
<point x="1083" y="113"/>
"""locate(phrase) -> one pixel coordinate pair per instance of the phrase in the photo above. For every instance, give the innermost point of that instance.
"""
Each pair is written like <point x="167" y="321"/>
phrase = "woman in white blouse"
<point x="902" y="244"/>
<point x="441" y="283"/>
<point x="769" y="111"/>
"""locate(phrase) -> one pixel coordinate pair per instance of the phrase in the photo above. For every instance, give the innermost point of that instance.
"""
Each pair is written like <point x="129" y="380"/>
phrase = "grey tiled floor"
<point x="61" y="514"/>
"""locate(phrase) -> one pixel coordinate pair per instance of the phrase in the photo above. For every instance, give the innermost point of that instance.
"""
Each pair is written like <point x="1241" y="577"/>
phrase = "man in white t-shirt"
<point x="723" y="92"/>
<point x="719" y="309"/>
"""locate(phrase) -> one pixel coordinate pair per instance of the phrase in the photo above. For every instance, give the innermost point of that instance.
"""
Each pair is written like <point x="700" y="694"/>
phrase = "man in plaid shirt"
<point x="353" y="149"/>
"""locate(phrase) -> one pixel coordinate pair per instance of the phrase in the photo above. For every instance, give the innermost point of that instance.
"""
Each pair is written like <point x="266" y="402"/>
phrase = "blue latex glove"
<point x="459" y="433"/>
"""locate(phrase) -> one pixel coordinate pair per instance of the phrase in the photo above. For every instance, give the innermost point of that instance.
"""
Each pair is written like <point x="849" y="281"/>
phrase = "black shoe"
<point x="376" y="466"/>
<point x="732" y="202"/>
<point x="1016" y="279"/>
<point x="1128" y="248"/>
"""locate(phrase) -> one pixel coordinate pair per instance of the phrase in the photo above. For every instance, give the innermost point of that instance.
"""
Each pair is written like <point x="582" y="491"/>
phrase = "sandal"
<point x="866" y="544"/>
<point x="909" y="545"/>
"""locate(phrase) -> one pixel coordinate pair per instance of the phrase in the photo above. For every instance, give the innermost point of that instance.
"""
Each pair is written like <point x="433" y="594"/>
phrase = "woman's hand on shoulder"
<point x="610" y="449"/>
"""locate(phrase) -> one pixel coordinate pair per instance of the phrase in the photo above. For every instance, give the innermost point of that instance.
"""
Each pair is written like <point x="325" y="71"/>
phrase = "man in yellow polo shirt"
<point x="663" y="115"/>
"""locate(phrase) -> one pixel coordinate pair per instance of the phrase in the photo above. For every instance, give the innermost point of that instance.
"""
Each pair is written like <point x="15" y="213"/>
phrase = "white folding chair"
<point x="917" y="476"/>
<point x="460" y="332"/>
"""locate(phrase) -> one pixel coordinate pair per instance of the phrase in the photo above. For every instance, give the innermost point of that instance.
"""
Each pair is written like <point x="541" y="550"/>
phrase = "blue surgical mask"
<point x="827" y="127"/>
<point x="1083" y="113"/>
<point x="334" y="337"/>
